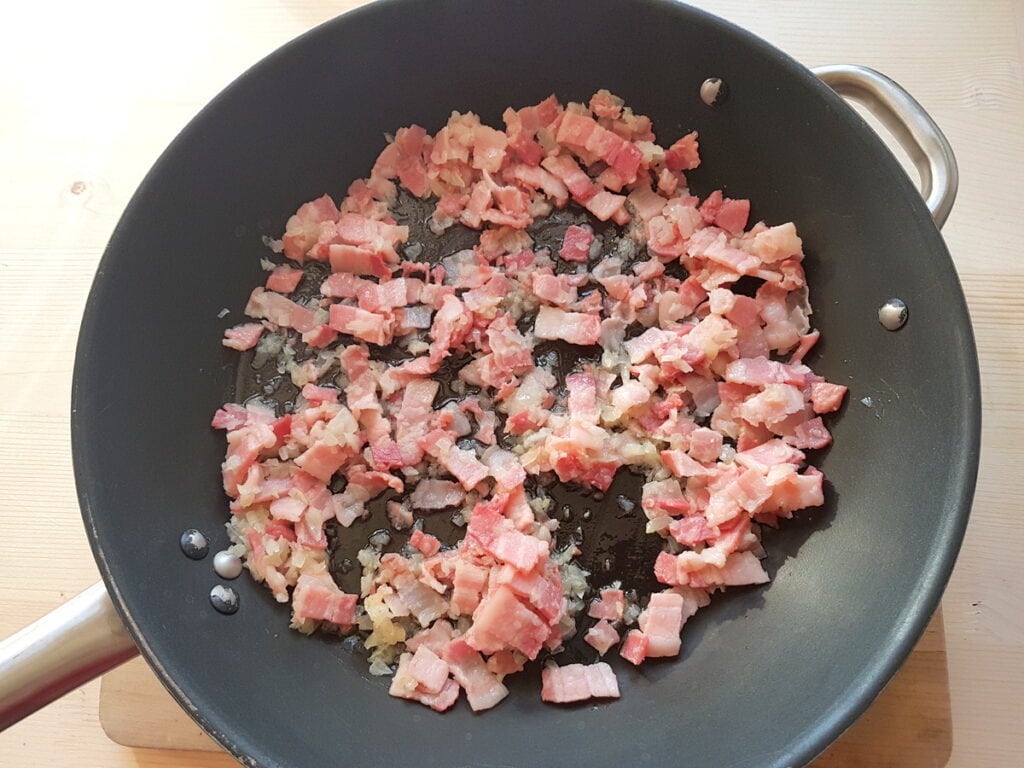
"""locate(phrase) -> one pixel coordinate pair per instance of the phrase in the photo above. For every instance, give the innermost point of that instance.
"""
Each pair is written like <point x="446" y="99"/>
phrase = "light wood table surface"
<point x="91" y="93"/>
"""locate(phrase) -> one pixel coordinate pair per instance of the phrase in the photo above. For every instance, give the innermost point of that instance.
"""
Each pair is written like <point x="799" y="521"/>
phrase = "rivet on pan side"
<point x="224" y="599"/>
<point x="193" y="544"/>
<point x="893" y="314"/>
<point x="227" y="565"/>
<point x="713" y="91"/>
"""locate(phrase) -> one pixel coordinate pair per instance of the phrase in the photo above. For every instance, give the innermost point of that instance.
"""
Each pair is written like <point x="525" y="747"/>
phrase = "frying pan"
<point x="768" y="676"/>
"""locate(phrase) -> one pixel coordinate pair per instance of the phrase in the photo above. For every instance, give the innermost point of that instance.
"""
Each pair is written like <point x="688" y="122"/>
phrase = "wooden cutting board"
<point x="908" y="726"/>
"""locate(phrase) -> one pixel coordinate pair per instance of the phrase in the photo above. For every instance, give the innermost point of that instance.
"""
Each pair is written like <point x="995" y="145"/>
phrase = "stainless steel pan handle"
<point x="912" y="127"/>
<point x="69" y="646"/>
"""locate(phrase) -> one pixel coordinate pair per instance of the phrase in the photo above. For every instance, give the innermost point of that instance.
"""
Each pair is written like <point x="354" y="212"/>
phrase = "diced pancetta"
<point x="578" y="682"/>
<point x="698" y="382"/>
<point x="572" y="327"/>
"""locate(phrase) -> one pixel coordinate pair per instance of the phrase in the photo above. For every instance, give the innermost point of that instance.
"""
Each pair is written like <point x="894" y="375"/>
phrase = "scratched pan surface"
<point x="768" y="677"/>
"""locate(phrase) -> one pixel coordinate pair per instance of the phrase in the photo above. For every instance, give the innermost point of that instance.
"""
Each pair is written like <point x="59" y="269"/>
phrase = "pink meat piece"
<point x="284" y="279"/>
<point x="542" y="589"/>
<point x="429" y="670"/>
<point x="606" y="205"/>
<point x="610" y="605"/>
<point x="582" y="399"/>
<point x="775" y="244"/>
<point x="569" y="172"/>
<point x="383" y="297"/>
<point x="375" y="236"/>
<point x="760" y="372"/>
<point x="576" y="244"/>
<point x="504" y="663"/>
<point x="357" y="260"/>
<point x="732" y="215"/>
<point x="605" y="104"/>
<point x="510" y="546"/>
<point x="231" y="416"/>
<point x="451" y="323"/>
<point x="486" y="423"/>
<point x="411" y="422"/>
<point x="826" y="397"/>
<point x="626" y="161"/>
<point x="399" y="515"/>
<point x="769" y="454"/>
<point x="804" y="346"/>
<point x="287" y="508"/>
<point x="683" y="154"/>
<point x="646" y="202"/>
<point x="512" y="353"/>
<point x="342" y="285"/>
<point x="691" y="569"/>
<point x="572" y="327"/>
<point x="367" y="326"/>
<point x="368" y="484"/>
<point x="582" y="132"/>
<point x="634" y="650"/>
<point x="480" y="201"/>
<point x="488" y="148"/>
<point x="321" y="336"/>
<point x="316" y="394"/>
<point x="647" y="344"/>
<point x="661" y="622"/>
<point x="734" y="535"/>
<point x="791" y="491"/>
<point x="323" y="459"/>
<point x="243" y="337"/>
<point x="780" y="327"/>
<point x="811" y="434"/>
<point x="576" y="129"/>
<point x="435" y="637"/>
<point x="423" y="602"/>
<point x="774" y="404"/>
<point x="691" y="531"/>
<point x="536" y="178"/>
<point x="705" y="444"/>
<point x="503" y="618"/>
<point x="512" y="206"/>
<point x="578" y="682"/>
<point x="631" y="395"/>
<point x="749" y="490"/>
<point x="279" y="310"/>
<point x="602" y="636"/>
<point x="505" y="468"/>
<point x="303" y="229"/>
<point x="664" y="496"/>
<point x="553" y="289"/>
<point x="431" y="495"/>
<point x="405" y="686"/>
<point x="369" y="197"/>
<point x="319" y="599"/>
<point x="470" y="582"/>
<point x="386" y="454"/>
<point x="424" y="542"/>
<point x="413" y="145"/>
<point x="681" y="464"/>
<point x="460" y="462"/>
<point x="743" y="568"/>
<point x="483" y="689"/>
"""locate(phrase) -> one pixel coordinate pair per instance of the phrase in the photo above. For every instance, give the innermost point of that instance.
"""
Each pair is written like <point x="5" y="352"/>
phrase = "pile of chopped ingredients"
<point x="700" y="326"/>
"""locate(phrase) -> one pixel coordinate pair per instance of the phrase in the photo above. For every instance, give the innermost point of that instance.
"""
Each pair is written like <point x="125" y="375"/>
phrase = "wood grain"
<point x="92" y="93"/>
